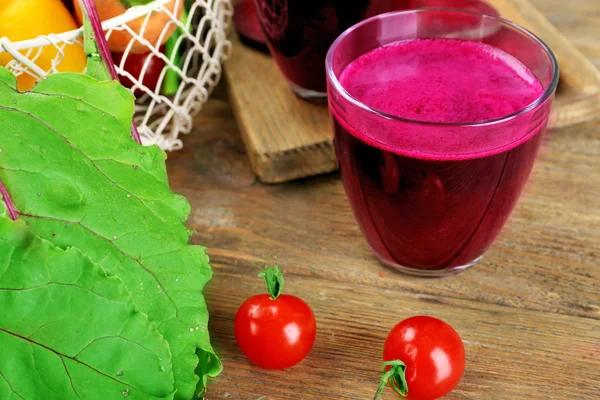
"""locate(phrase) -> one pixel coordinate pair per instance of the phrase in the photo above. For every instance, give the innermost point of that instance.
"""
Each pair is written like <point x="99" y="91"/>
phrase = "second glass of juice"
<point x="437" y="127"/>
<point x="299" y="33"/>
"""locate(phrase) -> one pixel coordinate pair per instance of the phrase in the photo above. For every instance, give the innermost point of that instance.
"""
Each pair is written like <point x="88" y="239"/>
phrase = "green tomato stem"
<point x="395" y="376"/>
<point x="274" y="279"/>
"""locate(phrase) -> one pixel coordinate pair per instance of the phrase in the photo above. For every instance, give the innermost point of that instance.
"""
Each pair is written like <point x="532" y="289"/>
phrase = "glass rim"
<point x="333" y="79"/>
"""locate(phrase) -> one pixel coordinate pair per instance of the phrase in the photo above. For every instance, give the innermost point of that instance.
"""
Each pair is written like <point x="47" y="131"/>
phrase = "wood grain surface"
<point x="529" y="312"/>
<point x="288" y="138"/>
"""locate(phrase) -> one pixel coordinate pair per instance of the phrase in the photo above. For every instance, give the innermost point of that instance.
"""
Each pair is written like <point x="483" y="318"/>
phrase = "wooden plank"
<point x="546" y="259"/>
<point x="511" y="354"/>
<point x="529" y="311"/>
<point x="288" y="138"/>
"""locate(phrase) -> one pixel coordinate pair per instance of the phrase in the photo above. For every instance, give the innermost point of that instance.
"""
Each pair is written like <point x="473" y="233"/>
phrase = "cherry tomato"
<point x="432" y="352"/>
<point x="134" y="65"/>
<point x="275" y="331"/>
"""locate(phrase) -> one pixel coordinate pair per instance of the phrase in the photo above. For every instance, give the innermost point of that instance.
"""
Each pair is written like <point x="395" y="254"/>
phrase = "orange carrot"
<point x="157" y="31"/>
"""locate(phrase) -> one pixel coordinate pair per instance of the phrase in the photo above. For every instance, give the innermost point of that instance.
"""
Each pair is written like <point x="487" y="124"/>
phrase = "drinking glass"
<point x="247" y="25"/>
<point x="432" y="207"/>
<point x="299" y="33"/>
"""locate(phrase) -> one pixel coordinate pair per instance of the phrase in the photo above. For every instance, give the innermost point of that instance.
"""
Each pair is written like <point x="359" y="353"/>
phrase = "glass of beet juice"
<point x="437" y="126"/>
<point x="299" y="33"/>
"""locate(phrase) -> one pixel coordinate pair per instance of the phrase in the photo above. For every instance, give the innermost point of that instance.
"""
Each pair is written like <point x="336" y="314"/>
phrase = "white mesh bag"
<point x="196" y="66"/>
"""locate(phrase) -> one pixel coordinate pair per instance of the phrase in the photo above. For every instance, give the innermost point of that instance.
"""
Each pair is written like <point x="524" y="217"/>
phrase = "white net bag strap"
<point x="23" y="63"/>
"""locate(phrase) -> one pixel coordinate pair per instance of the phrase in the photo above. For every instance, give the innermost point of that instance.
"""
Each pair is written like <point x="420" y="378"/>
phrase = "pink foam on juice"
<point x="426" y="196"/>
<point x="441" y="80"/>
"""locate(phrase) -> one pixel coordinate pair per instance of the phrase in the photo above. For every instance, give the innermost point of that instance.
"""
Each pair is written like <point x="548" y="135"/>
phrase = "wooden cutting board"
<point x="288" y="138"/>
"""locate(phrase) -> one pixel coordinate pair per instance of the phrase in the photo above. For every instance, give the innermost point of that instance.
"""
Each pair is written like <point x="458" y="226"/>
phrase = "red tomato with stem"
<point x="275" y="331"/>
<point x="424" y="358"/>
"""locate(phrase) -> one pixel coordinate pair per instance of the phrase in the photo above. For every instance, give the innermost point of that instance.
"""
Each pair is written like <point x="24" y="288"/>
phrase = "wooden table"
<point x="529" y="312"/>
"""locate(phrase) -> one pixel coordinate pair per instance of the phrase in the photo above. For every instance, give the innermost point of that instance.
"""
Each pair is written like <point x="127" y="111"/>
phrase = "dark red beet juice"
<point x="299" y="33"/>
<point x="247" y="25"/>
<point x="430" y="201"/>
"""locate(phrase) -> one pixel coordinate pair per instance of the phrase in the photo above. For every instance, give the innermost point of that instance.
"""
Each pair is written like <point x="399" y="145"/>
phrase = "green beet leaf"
<point x="68" y="331"/>
<point x="79" y="180"/>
